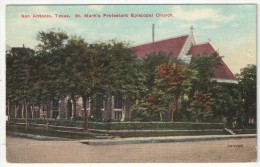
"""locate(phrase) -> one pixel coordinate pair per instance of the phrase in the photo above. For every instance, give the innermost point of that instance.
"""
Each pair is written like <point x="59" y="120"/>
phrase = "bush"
<point x="130" y="125"/>
<point x="60" y="122"/>
<point x="154" y="126"/>
<point x="156" y="134"/>
<point x="43" y="132"/>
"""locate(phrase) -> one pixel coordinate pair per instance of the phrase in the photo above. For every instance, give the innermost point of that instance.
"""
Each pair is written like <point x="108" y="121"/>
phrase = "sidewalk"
<point x="36" y="137"/>
<point x="138" y="140"/>
<point x="166" y="139"/>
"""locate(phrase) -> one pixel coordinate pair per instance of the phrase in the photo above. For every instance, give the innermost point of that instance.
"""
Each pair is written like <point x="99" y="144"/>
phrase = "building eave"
<point x="224" y="80"/>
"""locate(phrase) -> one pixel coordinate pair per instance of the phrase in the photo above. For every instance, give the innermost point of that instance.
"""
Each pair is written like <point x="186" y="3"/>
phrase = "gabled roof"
<point x="201" y="49"/>
<point x="220" y="70"/>
<point x="171" y="46"/>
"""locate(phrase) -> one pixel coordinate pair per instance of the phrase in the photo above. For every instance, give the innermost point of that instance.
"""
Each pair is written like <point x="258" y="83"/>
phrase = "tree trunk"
<point x="42" y="111"/>
<point x="15" y="110"/>
<point x="51" y="111"/>
<point x="32" y="107"/>
<point x="49" y="107"/>
<point x="84" y="99"/>
<point x="26" y="104"/>
<point x="39" y="110"/>
<point x="130" y="114"/>
<point x="174" y="109"/>
<point x="22" y="110"/>
<point x="74" y="107"/>
<point x="161" y="116"/>
<point x="47" y="120"/>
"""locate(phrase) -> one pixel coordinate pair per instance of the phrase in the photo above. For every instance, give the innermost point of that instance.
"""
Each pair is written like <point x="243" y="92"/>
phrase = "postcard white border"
<point x="3" y="4"/>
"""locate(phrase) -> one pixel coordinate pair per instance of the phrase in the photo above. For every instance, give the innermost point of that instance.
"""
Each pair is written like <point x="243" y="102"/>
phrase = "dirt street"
<point x="34" y="151"/>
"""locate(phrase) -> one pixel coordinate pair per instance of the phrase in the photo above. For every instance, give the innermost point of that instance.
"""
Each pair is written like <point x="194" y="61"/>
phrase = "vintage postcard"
<point x="130" y="83"/>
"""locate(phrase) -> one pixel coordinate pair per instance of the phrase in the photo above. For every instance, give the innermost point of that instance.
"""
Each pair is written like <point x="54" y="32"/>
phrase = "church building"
<point x="182" y="47"/>
<point x="185" y="48"/>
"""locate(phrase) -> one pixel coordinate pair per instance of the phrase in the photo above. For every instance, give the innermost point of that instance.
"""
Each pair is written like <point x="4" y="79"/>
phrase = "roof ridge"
<point x="202" y="43"/>
<point x="162" y="40"/>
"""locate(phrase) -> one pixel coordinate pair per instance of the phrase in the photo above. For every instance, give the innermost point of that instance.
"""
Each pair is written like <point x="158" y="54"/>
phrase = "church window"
<point x="118" y="115"/>
<point x="117" y="102"/>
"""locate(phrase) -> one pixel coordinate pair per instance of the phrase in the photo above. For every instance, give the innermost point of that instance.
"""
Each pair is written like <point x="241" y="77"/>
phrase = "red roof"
<point x="220" y="70"/>
<point x="171" y="46"/>
<point x="201" y="49"/>
<point x="174" y="46"/>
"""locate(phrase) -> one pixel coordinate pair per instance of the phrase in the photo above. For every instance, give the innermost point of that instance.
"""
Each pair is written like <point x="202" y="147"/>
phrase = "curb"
<point x="36" y="137"/>
<point x="163" y="140"/>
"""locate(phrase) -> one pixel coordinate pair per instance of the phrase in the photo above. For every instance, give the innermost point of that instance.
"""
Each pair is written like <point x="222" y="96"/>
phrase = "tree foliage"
<point x="227" y="102"/>
<point x="152" y="107"/>
<point x="173" y="79"/>
<point x="201" y="106"/>
<point x="150" y="64"/>
<point x="71" y="67"/>
<point x="202" y="66"/>
<point x="247" y="86"/>
<point x="20" y="78"/>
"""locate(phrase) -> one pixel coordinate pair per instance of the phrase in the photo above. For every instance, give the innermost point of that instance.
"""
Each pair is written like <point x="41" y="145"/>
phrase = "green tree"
<point x="202" y="66"/>
<point x="115" y="71"/>
<point x="227" y="102"/>
<point x="20" y="86"/>
<point x="150" y="64"/>
<point x="173" y="79"/>
<point x="76" y="63"/>
<point x="247" y="86"/>
<point x="97" y="55"/>
<point x="144" y="107"/>
<point x="201" y="106"/>
<point x="11" y="78"/>
<point x="80" y="83"/>
<point x="200" y="81"/>
<point x="151" y="107"/>
<point x="53" y="82"/>
<point x="11" y="75"/>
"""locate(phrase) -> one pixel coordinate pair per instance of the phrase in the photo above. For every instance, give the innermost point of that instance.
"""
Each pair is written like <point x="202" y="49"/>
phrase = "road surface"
<point x="21" y="150"/>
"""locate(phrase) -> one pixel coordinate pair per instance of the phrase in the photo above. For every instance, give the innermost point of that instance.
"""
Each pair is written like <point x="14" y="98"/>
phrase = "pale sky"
<point x="230" y="28"/>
